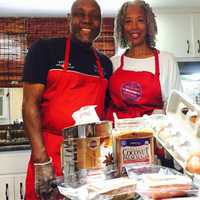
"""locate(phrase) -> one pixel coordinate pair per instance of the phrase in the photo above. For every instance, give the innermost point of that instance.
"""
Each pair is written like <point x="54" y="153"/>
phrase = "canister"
<point x="83" y="148"/>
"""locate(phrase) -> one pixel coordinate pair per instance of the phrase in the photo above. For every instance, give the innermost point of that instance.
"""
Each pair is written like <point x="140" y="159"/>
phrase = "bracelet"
<point x="44" y="163"/>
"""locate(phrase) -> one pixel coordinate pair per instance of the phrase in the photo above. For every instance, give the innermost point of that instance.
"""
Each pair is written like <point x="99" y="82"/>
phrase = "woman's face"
<point x="135" y="26"/>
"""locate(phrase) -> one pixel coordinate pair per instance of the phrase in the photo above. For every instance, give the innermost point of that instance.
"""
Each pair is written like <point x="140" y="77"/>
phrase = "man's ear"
<point x="68" y="16"/>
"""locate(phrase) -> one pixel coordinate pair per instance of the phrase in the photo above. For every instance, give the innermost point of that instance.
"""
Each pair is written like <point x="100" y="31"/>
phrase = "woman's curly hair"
<point x="150" y="22"/>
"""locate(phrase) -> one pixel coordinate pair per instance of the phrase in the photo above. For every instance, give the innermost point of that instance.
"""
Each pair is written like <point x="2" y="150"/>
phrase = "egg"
<point x="193" y="163"/>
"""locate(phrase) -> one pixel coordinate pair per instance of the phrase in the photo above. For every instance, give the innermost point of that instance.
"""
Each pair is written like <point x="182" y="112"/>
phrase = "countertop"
<point x="15" y="147"/>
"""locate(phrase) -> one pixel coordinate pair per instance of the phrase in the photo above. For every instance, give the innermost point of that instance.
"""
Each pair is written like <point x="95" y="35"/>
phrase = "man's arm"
<point x="44" y="172"/>
<point x="32" y="94"/>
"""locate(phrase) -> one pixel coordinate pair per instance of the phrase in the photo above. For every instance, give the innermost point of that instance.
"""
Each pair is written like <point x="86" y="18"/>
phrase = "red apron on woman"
<point x="134" y="93"/>
<point x="66" y="92"/>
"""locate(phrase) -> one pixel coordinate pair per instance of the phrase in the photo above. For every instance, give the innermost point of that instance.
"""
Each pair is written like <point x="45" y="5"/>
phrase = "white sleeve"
<point x="115" y="61"/>
<point x="169" y="76"/>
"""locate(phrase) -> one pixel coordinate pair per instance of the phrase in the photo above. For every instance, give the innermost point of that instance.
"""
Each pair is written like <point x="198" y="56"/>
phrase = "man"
<point x="60" y="76"/>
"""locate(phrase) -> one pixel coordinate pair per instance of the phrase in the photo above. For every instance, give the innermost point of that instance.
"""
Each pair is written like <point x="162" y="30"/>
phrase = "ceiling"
<point x="59" y="8"/>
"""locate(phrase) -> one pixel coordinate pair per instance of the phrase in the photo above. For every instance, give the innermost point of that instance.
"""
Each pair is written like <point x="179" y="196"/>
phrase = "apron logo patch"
<point x="131" y="91"/>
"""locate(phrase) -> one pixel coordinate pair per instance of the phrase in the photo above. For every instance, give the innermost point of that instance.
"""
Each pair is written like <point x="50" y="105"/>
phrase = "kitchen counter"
<point x="15" y="147"/>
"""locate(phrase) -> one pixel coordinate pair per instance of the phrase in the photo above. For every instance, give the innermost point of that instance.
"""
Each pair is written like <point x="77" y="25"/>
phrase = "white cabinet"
<point x="7" y="188"/>
<point x="196" y="33"/>
<point x="179" y="33"/>
<point x="19" y="186"/>
<point x="12" y="187"/>
<point x="12" y="174"/>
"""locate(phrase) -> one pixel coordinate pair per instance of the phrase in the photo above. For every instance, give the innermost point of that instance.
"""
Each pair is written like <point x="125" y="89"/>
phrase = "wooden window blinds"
<point x="17" y="35"/>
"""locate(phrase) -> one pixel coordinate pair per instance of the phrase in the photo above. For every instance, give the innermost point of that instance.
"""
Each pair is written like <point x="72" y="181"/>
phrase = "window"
<point x="12" y="52"/>
<point x="4" y="105"/>
<point x="1" y="102"/>
<point x="11" y="46"/>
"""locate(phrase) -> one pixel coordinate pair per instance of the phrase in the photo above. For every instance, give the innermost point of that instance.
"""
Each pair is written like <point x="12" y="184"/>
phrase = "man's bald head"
<point x="77" y="2"/>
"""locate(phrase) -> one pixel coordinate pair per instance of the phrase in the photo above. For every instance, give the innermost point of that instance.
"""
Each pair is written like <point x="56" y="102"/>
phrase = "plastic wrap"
<point x="159" y="182"/>
<point x="136" y="124"/>
<point x="109" y="189"/>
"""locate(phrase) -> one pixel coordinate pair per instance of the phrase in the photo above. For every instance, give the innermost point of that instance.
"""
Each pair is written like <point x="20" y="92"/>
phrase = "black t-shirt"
<point x="46" y="54"/>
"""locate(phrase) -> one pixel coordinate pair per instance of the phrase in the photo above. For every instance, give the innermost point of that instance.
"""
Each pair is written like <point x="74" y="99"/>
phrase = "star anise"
<point x="109" y="159"/>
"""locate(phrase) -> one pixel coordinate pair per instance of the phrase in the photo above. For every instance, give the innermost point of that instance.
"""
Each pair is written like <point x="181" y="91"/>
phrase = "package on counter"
<point x="110" y="189"/>
<point x="166" y="186"/>
<point x="133" y="147"/>
<point x="118" y="188"/>
<point x="158" y="182"/>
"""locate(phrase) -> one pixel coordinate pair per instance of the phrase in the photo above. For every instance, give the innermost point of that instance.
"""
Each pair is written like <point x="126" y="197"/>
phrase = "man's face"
<point x="85" y="21"/>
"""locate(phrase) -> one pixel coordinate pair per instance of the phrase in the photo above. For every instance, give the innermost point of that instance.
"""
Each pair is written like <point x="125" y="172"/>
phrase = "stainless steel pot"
<point x="81" y="150"/>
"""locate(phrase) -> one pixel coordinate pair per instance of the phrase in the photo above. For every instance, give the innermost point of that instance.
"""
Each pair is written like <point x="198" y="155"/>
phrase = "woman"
<point x="143" y="76"/>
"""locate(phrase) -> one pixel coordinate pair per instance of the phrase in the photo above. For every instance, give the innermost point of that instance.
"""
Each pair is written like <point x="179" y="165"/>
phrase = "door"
<point x="19" y="185"/>
<point x="196" y="33"/>
<point x="175" y="34"/>
<point x="6" y="187"/>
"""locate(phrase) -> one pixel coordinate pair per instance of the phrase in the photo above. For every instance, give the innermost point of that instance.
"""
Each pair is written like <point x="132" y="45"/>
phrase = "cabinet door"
<point x="19" y="185"/>
<point x="175" y="34"/>
<point x="14" y="162"/>
<point x="6" y="188"/>
<point x="196" y="33"/>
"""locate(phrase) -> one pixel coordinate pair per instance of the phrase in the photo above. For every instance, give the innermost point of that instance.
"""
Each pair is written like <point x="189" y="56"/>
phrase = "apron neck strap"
<point x="67" y="53"/>
<point x="122" y="61"/>
<point x="157" y="68"/>
<point x="98" y="63"/>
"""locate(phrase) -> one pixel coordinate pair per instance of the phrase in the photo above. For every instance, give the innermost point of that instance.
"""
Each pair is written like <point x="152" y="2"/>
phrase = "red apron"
<point x="134" y="93"/>
<point x="66" y="92"/>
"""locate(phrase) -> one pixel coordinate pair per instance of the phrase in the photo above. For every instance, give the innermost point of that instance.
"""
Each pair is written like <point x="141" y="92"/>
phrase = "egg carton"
<point x="184" y="114"/>
<point x="181" y="136"/>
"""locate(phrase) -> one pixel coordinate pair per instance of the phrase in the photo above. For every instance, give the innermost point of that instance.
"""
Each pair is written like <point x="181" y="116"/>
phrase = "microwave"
<point x="190" y="78"/>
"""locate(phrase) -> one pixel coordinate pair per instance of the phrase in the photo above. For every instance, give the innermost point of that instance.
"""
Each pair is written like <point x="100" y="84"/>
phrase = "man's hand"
<point x="44" y="177"/>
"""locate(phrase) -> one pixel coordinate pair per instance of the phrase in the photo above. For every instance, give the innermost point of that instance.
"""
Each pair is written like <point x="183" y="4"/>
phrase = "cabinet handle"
<point x="7" y="197"/>
<point x="21" y="191"/>
<point x="198" y="41"/>
<point x="188" y="50"/>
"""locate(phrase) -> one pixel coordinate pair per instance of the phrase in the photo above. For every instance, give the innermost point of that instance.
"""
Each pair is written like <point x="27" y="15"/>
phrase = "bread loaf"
<point x="167" y="186"/>
<point x="168" y="191"/>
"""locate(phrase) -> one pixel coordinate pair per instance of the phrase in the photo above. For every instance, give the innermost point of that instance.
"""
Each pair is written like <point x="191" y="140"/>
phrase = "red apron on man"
<point x="66" y="92"/>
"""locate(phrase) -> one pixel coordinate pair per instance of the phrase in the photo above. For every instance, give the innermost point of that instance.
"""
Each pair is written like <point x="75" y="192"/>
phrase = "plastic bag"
<point x="157" y="182"/>
<point x="117" y="188"/>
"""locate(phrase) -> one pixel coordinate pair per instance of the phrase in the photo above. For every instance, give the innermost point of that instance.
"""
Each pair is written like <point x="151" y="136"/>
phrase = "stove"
<point x="12" y="137"/>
